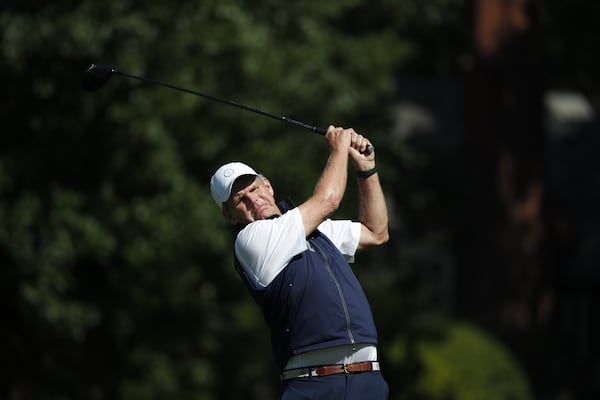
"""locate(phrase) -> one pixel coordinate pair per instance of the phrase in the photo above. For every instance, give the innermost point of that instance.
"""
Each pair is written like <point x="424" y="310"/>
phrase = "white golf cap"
<point x="222" y="180"/>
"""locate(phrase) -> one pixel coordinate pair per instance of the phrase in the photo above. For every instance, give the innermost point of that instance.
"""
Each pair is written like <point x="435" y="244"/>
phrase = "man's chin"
<point x="265" y="213"/>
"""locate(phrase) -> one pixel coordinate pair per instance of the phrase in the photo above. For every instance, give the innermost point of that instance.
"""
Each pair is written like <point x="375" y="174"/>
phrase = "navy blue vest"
<point x="314" y="303"/>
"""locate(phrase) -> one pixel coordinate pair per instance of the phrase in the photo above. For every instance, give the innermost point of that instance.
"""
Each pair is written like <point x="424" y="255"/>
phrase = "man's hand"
<point x="361" y="161"/>
<point x="338" y="138"/>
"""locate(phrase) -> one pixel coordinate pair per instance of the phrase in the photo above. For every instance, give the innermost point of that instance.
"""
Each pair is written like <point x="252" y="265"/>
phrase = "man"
<point x="295" y="260"/>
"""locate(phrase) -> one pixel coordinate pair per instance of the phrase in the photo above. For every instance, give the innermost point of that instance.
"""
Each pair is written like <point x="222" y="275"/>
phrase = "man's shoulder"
<point x="269" y="225"/>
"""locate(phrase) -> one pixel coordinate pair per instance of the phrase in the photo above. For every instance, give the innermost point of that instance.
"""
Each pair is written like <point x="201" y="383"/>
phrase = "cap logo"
<point x="228" y="172"/>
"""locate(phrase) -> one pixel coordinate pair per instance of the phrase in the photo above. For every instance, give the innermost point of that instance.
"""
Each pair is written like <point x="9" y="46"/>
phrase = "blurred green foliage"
<point x="467" y="364"/>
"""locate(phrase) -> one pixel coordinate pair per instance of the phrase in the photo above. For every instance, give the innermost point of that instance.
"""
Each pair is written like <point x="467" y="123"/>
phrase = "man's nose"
<point x="250" y="198"/>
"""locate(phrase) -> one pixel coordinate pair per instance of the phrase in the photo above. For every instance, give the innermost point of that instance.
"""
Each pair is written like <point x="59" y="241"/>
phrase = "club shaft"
<point x="224" y="101"/>
<point x="105" y="69"/>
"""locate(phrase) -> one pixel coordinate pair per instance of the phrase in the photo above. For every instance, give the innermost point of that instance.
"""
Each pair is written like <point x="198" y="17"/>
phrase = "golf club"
<point x="97" y="75"/>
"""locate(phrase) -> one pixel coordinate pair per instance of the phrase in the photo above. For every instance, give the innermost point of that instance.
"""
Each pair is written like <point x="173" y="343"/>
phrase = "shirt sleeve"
<point x="265" y="247"/>
<point x="344" y="234"/>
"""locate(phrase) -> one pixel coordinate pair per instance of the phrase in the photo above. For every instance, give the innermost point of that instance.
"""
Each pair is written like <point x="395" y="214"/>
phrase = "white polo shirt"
<point x="264" y="248"/>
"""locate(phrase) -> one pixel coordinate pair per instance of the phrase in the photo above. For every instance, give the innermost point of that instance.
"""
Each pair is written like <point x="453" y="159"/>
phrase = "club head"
<point x="96" y="76"/>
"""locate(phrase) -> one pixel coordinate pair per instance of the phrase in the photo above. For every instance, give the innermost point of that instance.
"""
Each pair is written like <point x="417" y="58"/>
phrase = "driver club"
<point x="97" y="75"/>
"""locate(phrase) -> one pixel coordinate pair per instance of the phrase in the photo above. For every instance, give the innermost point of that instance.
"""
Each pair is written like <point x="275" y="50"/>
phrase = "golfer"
<point x="295" y="261"/>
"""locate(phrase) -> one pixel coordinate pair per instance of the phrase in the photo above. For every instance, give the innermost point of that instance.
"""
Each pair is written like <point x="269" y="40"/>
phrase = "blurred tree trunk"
<point x="504" y="283"/>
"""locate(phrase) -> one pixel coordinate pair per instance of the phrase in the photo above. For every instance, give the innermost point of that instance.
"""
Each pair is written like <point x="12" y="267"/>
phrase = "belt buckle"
<point x="345" y="368"/>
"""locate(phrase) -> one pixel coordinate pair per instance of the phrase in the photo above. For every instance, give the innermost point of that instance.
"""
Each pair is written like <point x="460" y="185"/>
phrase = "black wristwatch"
<point x="366" y="174"/>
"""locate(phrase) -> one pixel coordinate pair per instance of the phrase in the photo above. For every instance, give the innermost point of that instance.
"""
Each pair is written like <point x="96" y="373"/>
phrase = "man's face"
<point x="252" y="199"/>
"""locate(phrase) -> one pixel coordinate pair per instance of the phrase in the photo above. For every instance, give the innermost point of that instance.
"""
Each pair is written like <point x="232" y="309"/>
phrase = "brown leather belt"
<point x="325" y="370"/>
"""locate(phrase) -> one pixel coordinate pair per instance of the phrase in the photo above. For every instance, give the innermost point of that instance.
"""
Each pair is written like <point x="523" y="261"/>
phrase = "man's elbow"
<point x="382" y="238"/>
<point x="376" y="238"/>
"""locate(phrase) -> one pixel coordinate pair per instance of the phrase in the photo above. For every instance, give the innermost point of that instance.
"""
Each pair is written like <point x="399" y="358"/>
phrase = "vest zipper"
<point x="340" y="293"/>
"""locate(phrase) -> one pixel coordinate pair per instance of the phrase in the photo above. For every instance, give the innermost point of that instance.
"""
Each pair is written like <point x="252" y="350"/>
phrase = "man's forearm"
<point x="332" y="183"/>
<point x="373" y="210"/>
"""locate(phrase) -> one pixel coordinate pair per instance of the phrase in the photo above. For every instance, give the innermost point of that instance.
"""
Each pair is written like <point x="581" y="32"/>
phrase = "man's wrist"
<point x="364" y="174"/>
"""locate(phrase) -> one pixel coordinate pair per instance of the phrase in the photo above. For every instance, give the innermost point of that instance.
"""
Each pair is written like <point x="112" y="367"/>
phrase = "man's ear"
<point x="267" y="184"/>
